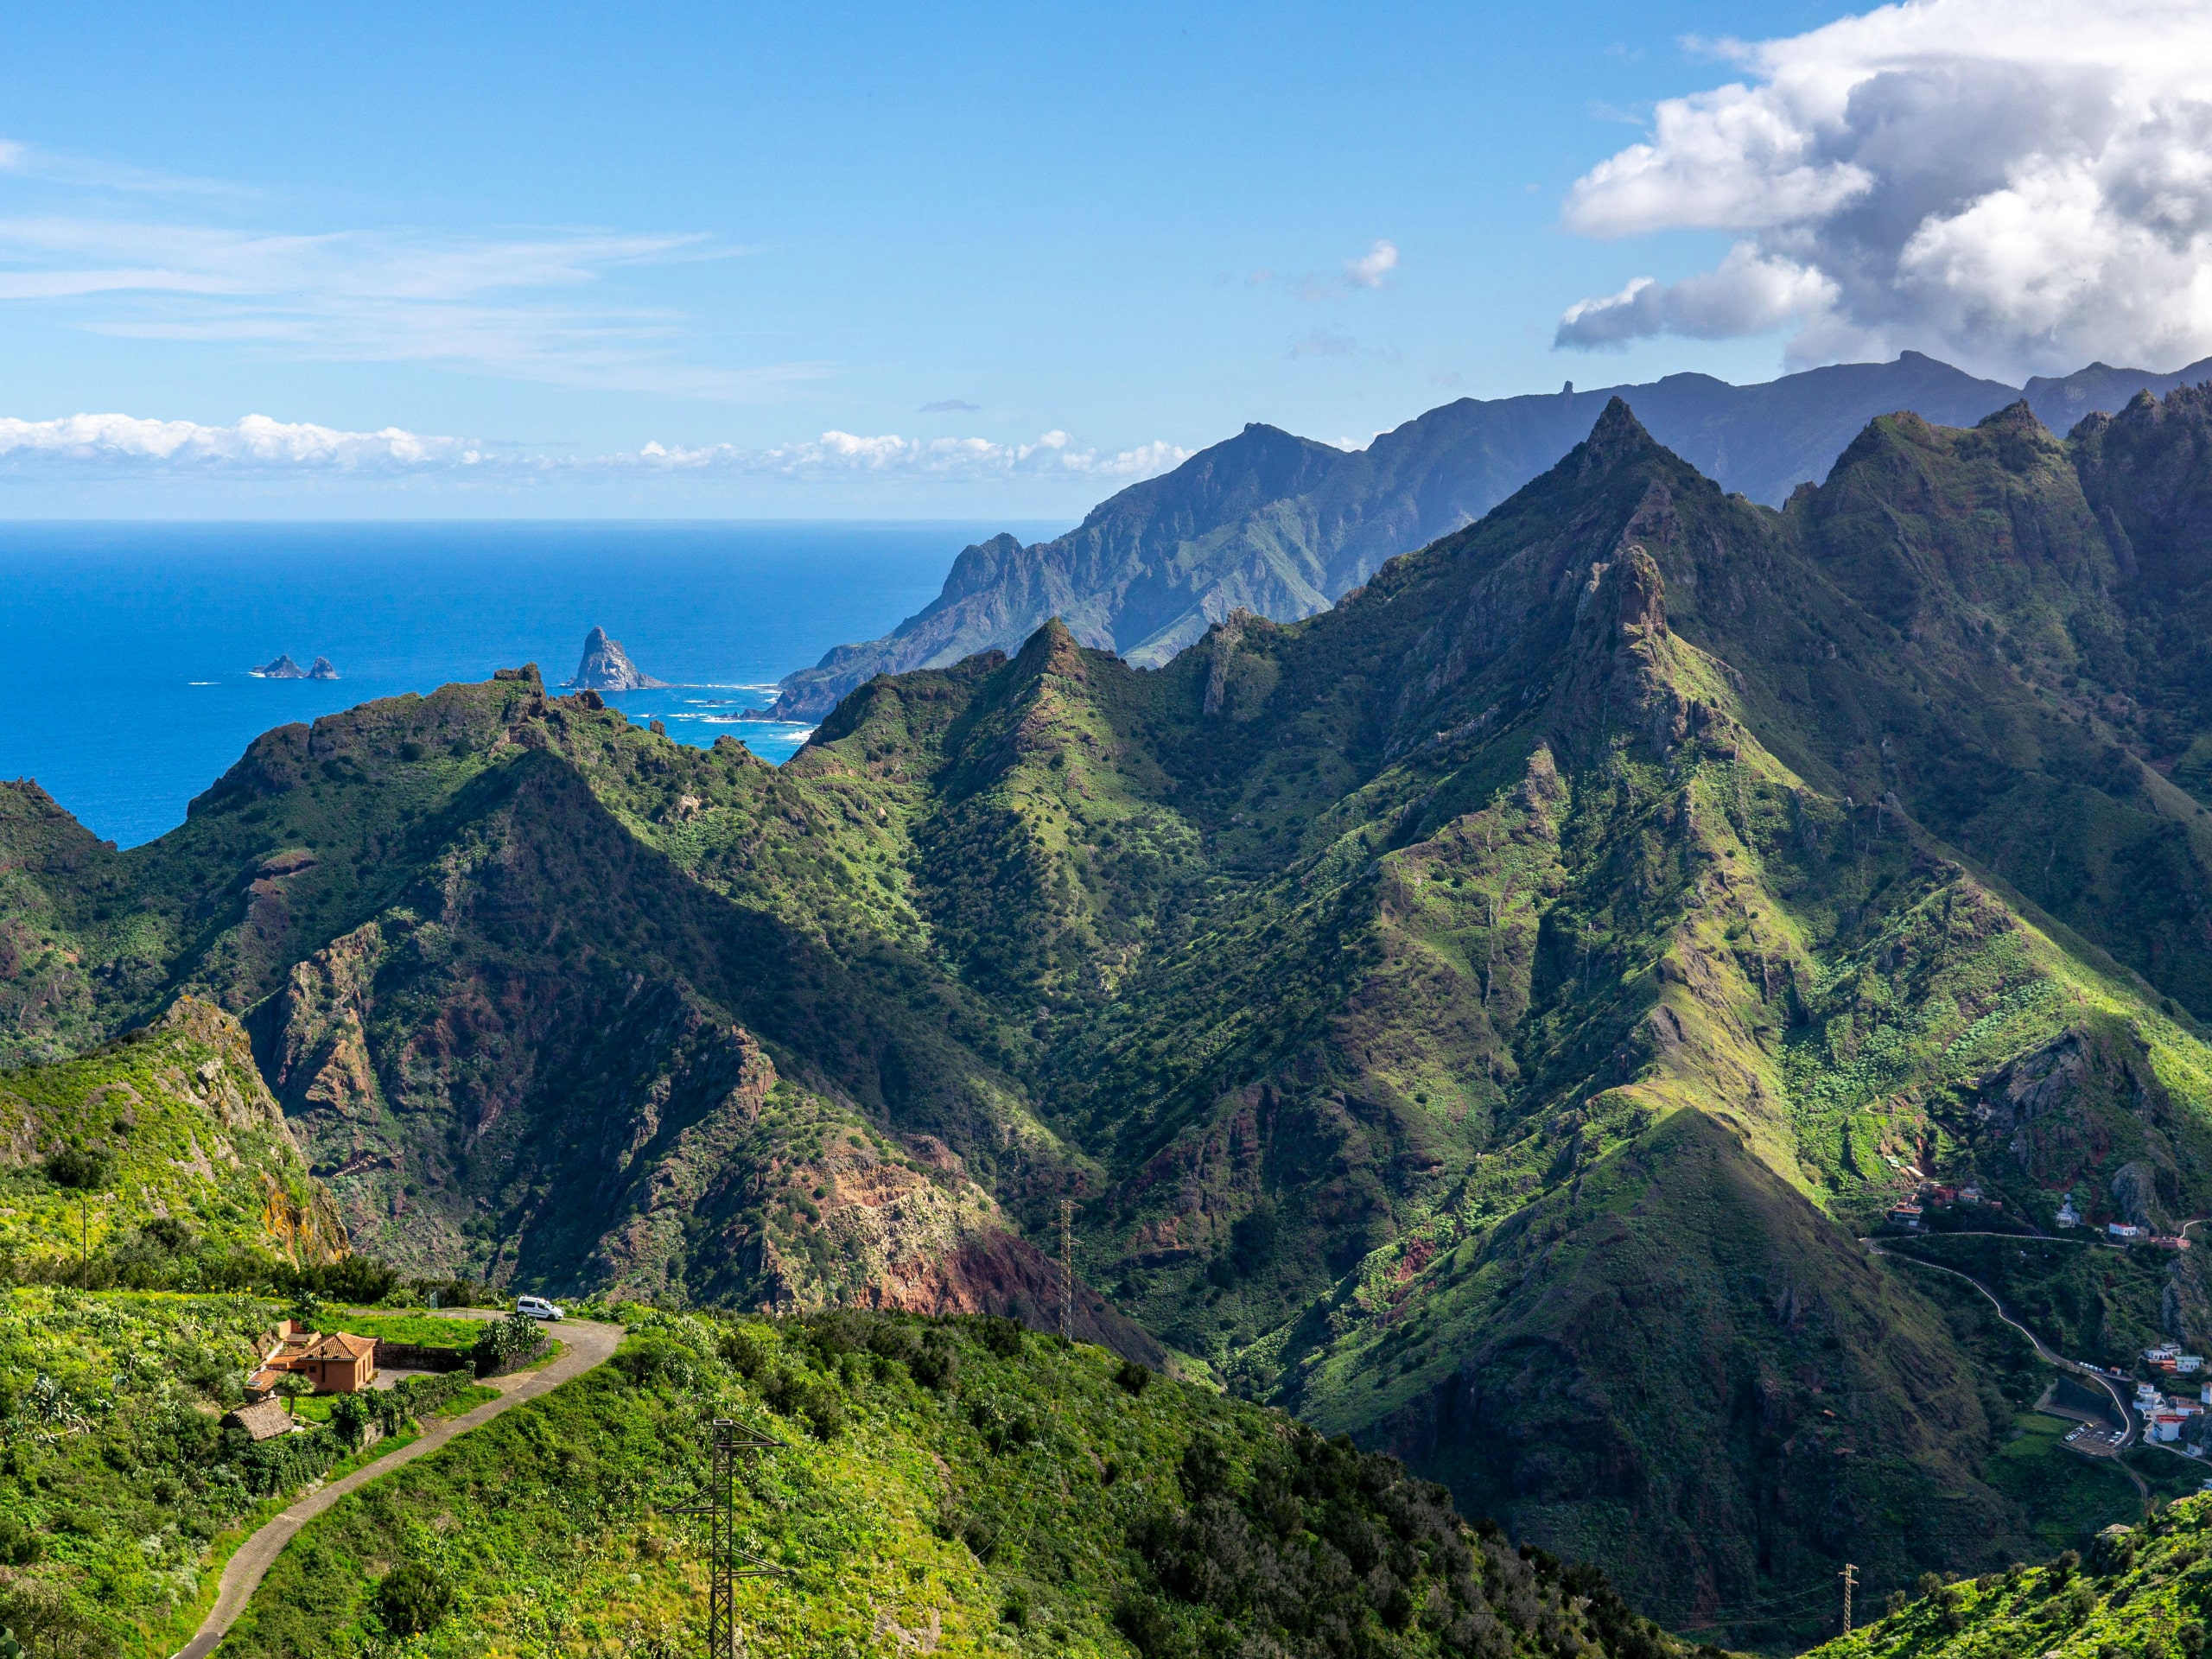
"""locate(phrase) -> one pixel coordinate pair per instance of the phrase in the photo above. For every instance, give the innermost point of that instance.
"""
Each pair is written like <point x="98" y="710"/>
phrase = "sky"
<point x="890" y="261"/>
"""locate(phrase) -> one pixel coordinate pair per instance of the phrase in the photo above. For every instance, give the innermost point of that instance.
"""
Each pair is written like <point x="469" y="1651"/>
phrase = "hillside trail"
<point x="588" y="1345"/>
<point x="2049" y="1356"/>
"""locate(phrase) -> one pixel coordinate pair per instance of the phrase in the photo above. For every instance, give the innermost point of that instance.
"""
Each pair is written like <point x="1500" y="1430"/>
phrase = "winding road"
<point x="2049" y="1356"/>
<point x="588" y="1345"/>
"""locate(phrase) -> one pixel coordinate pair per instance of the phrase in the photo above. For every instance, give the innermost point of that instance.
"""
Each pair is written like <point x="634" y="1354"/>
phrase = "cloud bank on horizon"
<point x="2017" y="185"/>
<point x="112" y="444"/>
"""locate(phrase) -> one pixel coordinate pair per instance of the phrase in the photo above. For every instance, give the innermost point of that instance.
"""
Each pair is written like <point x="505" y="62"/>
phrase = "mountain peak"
<point x="606" y="667"/>
<point x="1619" y="429"/>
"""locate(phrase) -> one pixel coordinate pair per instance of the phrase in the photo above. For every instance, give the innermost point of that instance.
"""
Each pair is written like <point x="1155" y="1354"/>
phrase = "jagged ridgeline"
<point x="1479" y="1017"/>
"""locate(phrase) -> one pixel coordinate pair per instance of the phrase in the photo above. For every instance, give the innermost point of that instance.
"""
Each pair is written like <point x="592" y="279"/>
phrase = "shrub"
<point x="77" y="1168"/>
<point x="936" y="1363"/>
<point x="823" y="1414"/>
<point x="19" y="1545"/>
<point x="1132" y="1377"/>
<point x="1146" y="1623"/>
<point x="412" y="1598"/>
<point x="1002" y="1336"/>
<point x="506" y="1341"/>
<point x="746" y="1353"/>
<point x="2063" y="1567"/>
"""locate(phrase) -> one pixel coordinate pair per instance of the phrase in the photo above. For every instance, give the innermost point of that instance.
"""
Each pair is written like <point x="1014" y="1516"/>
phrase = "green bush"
<point x="412" y="1598"/>
<point x="505" y="1342"/>
<point x="77" y="1169"/>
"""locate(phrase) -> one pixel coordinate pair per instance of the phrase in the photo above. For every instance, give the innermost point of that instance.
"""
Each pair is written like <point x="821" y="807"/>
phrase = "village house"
<point x="2125" y="1229"/>
<point x="1905" y="1215"/>
<point x="2068" y="1215"/>
<point x="338" y="1363"/>
<point x="264" y="1420"/>
<point x="2166" y="1425"/>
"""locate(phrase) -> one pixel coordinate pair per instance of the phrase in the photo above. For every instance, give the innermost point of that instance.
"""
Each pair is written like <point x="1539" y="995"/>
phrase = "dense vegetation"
<point x="163" y="1156"/>
<point x="1478" y="1019"/>
<point x="2136" y="1592"/>
<point x="958" y="1487"/>
<point x="119" y="1485"/>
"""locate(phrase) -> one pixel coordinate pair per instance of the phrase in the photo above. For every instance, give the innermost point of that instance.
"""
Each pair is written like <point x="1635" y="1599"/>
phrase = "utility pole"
<point x="1067" y="1269"/>
<point x="1849" y="1575"/>
<point x="732" y="1440"/>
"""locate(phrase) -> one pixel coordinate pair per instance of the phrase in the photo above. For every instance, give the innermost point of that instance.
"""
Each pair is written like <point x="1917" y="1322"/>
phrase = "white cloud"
<point x="1747" y="294"/>
<point x="544" y="307"/>
<point x="127" y="443"/>
<point x="1371" y="267"/>
<point x="844" y="452"/>
<point x="105" y="445"/>
<point x="2020" y="186"/>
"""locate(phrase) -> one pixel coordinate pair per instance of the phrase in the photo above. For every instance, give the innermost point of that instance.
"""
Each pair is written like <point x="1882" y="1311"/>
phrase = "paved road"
<point x="588" y="1345"/>
<point x="2049" y="1356"/>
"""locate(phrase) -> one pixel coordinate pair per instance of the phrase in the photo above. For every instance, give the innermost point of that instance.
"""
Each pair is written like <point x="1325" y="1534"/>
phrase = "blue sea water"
<point x="130" y="642"/>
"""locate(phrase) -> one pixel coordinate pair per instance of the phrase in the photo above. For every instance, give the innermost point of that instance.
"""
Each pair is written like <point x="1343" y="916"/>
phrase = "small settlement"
<point x="2168" y="1416"/>
<point x="338" y="1362"/>
<point x="1915" y="1214"/>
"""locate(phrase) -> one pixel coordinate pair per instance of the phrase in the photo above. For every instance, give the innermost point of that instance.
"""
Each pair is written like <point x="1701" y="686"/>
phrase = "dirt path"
<point x="588" y="1345"/>
<point x="2049" y="1356"/>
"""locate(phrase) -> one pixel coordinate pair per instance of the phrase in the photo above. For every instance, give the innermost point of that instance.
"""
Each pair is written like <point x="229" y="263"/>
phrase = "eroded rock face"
<point x="282" y="668"/>
<point x="606" y="667"/>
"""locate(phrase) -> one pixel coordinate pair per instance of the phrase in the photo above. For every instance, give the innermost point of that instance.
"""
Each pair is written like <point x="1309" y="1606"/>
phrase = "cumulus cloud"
<point x="80" y="445"/>
<point x="1371" y="267"/>
<point x="129" y="443"/>
<point x="1747" y="294"/>
<point x="2020" y="186"/>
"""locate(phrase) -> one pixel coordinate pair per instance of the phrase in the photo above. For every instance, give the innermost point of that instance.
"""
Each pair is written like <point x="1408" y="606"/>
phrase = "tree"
<point x="412" y="1598"/>
<point x="46" y="1623"/>
<point x="307" y="1310"/>
<point x="291" y="1386"/>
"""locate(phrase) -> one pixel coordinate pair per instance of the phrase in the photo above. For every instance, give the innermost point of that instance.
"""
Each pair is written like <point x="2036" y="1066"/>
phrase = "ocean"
<point x="132" y="642"/>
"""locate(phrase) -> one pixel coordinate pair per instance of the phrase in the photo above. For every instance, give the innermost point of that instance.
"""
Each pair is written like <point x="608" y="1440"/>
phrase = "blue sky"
<point x="1044" y="251"/>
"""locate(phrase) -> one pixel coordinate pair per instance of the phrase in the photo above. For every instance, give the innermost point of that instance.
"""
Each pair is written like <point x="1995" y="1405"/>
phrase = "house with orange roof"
<point x="339" y="1363"/>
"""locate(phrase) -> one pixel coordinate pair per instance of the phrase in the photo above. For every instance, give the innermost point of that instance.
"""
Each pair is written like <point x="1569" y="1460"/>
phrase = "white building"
<point x="2068" y="1215"/>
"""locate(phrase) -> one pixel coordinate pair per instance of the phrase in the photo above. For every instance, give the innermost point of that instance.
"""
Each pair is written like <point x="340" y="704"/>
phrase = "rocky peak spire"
<point x="606" y="667"/>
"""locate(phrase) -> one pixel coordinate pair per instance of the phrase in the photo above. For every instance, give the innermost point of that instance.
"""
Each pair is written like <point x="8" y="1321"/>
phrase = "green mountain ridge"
<point x="1282" y="527"/>
<point x="1479" y="1018"/>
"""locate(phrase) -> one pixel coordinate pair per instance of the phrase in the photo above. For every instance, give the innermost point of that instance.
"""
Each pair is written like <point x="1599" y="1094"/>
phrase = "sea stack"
<point x="608" y="667"/>
<point x="282" y="668"/>
<point x="322" y="669"/>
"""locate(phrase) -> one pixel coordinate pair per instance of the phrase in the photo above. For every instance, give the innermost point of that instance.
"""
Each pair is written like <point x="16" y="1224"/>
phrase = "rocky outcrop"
<point x="282" y="668"/>
<point x="606" y="667"/>
<point x="322" y="669"/>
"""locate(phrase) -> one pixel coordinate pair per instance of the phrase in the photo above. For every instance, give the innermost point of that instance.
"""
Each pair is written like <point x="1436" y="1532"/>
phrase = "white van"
<point x="536" y="1307"/>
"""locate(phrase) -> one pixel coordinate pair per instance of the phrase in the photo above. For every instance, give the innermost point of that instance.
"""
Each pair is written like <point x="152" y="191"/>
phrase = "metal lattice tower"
<point x="732" y="1440"/>
<point x="1067" y="1269"/>
<point x="1850" y="1577"/>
